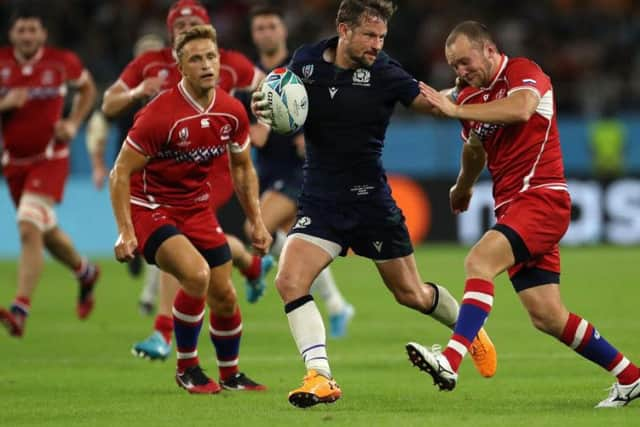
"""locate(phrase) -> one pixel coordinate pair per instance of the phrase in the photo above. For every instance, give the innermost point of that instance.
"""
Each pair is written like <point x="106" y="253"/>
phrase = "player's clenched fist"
<point x="125" y="247"/>
<point x="459" y="199"/>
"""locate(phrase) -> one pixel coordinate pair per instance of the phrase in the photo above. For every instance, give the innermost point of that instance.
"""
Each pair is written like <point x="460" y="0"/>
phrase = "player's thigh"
<point x="490" y="256"/>
<point x="48" y="178"/>
<point x="278" y="210"/>
<point x="302" y="259"/>
<point x="179" y="257"/>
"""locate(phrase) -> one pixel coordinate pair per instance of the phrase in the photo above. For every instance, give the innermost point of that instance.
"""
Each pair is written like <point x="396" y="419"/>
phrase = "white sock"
<point x="151" y="285"/>
<point x="278" y="243"/>
<point x="446" y="309"/>
<point x="308" y="332"/>
<point x="326" y="288"/>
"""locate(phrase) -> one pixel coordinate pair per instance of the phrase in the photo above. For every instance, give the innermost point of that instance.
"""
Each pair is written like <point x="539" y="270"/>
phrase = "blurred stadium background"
<point x="589" y="48"/>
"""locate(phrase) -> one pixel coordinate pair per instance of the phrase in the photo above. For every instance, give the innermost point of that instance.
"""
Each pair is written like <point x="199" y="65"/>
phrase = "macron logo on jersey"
<point x="333" y="91"/>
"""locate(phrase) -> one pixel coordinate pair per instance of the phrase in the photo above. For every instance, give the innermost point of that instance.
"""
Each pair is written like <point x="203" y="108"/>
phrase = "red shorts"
<point x="221" y="184"/>
<point x="45" y="177"/>
<point x="539" y="218"/>
<point x="197" y="223"/>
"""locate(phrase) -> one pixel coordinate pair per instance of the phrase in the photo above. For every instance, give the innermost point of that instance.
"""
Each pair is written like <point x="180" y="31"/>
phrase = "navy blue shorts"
<point x="373" y="228"/>
<point x="289" y="184"/>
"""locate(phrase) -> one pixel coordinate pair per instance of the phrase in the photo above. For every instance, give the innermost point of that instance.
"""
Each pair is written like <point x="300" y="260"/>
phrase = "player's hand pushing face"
<point x="125" y="247"/>
<point x="439" y="100"/>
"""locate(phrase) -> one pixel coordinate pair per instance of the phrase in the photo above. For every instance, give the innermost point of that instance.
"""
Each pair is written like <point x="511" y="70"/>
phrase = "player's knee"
<point x="475" y="265"/>
<point x="286" y="283"/>
<point x="38" y="211"/>
<point x="197" y="279"/>
<point x="417" y="299"/>
<point x="222" y="300"/>
<point x="29" y="233"/>
<point x="546" y="320"/>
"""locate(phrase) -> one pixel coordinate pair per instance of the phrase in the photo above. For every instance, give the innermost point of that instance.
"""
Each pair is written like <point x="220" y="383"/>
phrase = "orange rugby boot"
<point x="315" y="389"/>
<point x="483" y="353"/>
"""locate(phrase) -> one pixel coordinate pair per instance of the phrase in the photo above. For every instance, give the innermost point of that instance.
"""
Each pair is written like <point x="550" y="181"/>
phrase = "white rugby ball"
<point x="287" y="100"/>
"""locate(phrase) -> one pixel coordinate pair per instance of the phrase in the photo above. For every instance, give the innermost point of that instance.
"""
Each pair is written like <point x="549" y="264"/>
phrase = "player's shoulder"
<point x="311" y="52"/>
<point x="466" y="93"/>
<point x="521" y="62"/>
<point x="227" y="103"/>
<point x="52" y="53"/>
<point x="231" y="56"/>
<point x="164" y="103"/>
<point x="155" y="55"/>
<point x="385" y="64"/>
<point x="6" y="52"/>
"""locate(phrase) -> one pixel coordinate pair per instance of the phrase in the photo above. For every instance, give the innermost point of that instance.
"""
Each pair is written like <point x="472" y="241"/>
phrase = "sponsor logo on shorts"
<point x="303" y="222"/>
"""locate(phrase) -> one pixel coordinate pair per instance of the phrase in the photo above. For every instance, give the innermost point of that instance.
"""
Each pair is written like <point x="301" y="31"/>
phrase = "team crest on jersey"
<point x="47" y="77"/>
<point x="27" y="70"/>
<point x="225" y="132"/>
<point x="183" y="134"/>
<point x="163" y="73"/>
<point x="307" y="71"/>
<point x="362" y="77"/>
<point x="5" y="73"/>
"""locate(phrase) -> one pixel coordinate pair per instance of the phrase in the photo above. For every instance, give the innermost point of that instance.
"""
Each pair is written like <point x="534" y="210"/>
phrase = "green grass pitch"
<point x="66" y="372"/>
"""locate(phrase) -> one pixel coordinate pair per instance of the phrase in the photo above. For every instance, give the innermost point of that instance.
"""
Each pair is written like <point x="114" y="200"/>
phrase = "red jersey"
<point x="525" y="155"/>
<point x="183" y="142"/>
<point x="28" y="132"/>
<point x="236" y="71"/>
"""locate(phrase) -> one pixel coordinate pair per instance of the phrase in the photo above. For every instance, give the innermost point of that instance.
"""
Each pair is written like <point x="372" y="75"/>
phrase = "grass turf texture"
<point x="68" y="372"/>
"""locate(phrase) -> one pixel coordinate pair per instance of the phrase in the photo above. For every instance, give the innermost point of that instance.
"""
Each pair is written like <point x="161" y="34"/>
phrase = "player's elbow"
<point x="108" y="107"/>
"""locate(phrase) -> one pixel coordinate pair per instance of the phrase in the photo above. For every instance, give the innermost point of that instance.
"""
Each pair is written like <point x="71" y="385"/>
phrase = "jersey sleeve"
<point x="148" y="133"/>
<point x="523" y="74"/>
<point x="240" y="140"/>
<point x="402" y="84"/>
<point x="294" y="64"/>
<point x="246" y="72"/>
<point x="132" y="75"/>
<point x="75" y="71"/>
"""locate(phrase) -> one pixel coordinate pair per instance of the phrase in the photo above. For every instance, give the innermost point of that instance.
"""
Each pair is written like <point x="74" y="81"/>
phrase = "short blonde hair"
<point x="198" y="32"/>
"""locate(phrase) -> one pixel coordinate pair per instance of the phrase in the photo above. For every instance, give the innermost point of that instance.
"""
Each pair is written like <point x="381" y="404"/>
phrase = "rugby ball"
<point x="287" y="100"/>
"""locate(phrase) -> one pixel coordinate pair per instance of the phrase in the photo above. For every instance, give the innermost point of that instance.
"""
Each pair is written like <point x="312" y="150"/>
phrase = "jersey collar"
<point x="187" y="96"/>
<point x="23" y="61"/>
<point x="503" y="64"/>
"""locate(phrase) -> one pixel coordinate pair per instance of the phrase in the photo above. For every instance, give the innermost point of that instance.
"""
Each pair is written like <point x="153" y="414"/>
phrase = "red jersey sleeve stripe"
<point x="239" y="148"/>
<point x="131" y="143"/>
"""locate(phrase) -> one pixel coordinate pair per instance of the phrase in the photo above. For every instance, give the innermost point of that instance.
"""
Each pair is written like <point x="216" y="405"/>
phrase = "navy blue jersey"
<point x="349" y="111"/>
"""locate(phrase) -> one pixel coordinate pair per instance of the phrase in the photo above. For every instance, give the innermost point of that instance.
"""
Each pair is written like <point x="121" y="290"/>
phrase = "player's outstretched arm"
<point x="128" y="161"/>
<point x="515" y="108"/>
<point x="472" y="163"/>
<point x="96" y="139"/>
<point x="118" y="98"/>
<point x="245" y="182"/>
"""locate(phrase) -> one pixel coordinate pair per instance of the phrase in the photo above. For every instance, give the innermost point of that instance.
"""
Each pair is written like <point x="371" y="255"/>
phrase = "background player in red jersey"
<point x="160" y="198"/>
<point x="35" y="160"/>
<point x="141" y="80"/>
<point x="509" y="122"/>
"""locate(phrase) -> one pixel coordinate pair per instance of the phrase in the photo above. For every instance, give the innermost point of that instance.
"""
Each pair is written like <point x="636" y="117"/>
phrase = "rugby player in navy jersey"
<point x="346" y="202"/>
<point x="279" y="161"/>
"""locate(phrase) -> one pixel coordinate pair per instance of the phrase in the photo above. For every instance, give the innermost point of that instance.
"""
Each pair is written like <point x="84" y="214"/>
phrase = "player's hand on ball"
<point x="459" y="199"/>
<point x="125" y="247"/>
<point x="260" y="107"/>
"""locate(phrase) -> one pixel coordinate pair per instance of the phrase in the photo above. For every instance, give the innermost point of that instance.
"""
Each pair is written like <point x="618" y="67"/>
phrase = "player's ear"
<point x="342" y="30"/>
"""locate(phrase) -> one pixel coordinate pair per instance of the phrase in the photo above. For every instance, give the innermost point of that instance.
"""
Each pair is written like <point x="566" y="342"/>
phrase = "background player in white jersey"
<point x="279" y="161"/>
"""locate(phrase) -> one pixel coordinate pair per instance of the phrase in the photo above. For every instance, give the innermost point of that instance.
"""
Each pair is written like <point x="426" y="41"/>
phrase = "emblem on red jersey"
<point x="183" y="134"/>
<point x="5" y="73"/>
<point x="225" y="132"/>
<point x="47" y="77"/>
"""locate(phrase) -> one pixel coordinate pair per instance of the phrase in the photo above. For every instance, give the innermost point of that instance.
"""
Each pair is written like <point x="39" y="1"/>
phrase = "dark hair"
<point x="27" y="10"/>
<point x="198" y="32"/>
<point x="265" y="9"/>
<point x="351" y="12"/>
<point x="476" y="32"/>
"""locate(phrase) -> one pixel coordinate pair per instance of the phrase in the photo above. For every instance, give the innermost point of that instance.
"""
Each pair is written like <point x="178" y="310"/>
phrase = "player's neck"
<point x="271" y="61"/>
<point x="202" y="96"/>
<point x="21" y="58"/>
